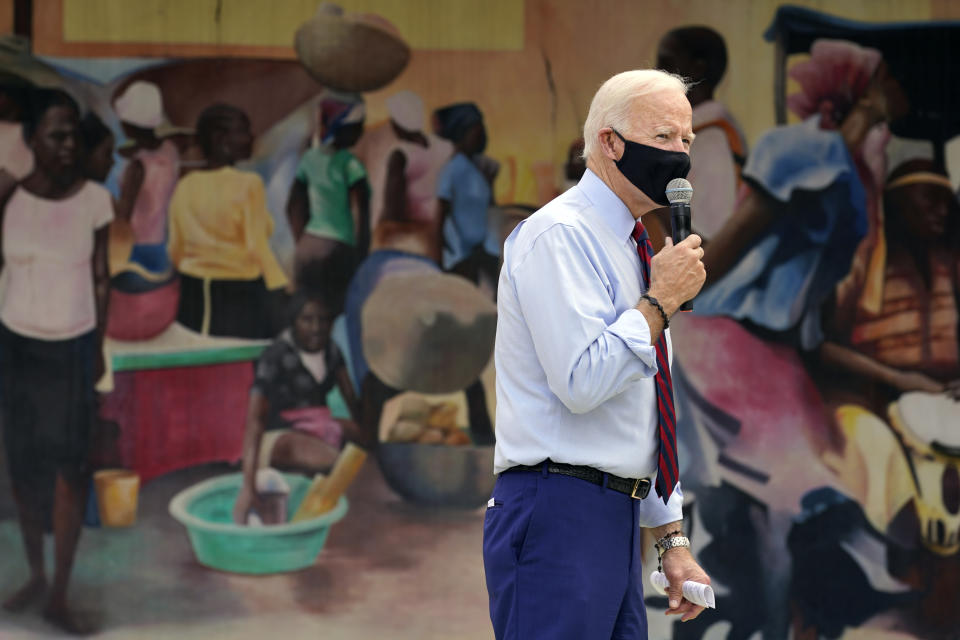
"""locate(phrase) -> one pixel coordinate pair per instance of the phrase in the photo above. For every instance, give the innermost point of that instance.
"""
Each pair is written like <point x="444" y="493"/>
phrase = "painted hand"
<point x="914" y="381"/>
<point x="247" y="500"/>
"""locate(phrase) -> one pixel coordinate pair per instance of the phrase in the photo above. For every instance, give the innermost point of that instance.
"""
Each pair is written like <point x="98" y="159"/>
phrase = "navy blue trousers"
<point x="562" y="560"/>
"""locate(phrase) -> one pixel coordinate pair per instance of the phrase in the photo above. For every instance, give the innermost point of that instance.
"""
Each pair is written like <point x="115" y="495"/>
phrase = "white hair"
<point x="611" y="104"/>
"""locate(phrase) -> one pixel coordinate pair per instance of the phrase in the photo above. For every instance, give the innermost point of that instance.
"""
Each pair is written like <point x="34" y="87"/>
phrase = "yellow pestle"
<point x="323" y="494"/>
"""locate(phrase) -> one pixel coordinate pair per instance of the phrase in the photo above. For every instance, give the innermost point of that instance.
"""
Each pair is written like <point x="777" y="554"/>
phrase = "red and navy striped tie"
<point x="667" y="465"/>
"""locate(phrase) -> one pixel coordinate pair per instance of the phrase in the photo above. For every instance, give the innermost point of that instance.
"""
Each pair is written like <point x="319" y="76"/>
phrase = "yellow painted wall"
<point x="496" y="52"/>
<point x="586" y="42"/>
<point x="426" y="24"/>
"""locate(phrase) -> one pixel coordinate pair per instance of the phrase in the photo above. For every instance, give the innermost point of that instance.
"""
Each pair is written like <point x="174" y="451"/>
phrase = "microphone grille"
<point x="679" y="190"/>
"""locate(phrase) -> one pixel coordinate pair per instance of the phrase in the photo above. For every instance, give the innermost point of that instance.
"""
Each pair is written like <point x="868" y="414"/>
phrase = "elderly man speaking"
<point x="586" y="444"/>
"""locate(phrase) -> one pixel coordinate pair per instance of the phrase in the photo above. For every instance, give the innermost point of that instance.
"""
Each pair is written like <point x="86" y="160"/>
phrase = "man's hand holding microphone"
<point x="676" y="273"/>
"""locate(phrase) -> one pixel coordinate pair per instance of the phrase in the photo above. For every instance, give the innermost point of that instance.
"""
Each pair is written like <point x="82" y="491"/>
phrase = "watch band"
<point x="673" y="541"/>
<point x="669" y="534"/>
<point x="667" y="542"/>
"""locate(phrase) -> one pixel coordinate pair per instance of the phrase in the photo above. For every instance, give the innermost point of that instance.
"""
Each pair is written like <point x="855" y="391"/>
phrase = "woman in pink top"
<point x="145" y="191"/>
<point x="54" y="240"/>
<point x="403" y="161"/>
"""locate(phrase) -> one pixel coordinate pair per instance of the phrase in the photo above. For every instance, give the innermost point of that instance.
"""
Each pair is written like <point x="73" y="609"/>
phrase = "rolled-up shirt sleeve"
<point x="654" y="513"/>
<point x="588" y="351"/>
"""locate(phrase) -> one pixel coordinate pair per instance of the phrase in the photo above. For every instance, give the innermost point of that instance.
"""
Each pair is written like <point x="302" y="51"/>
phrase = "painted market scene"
<point x="257" y="244"/>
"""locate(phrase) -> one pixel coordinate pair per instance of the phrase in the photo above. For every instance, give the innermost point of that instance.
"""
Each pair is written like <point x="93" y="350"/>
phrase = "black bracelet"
<point x="658" y="307"/>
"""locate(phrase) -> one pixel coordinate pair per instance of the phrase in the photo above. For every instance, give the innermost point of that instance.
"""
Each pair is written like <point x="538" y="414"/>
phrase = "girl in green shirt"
<point x="328" y="207"/>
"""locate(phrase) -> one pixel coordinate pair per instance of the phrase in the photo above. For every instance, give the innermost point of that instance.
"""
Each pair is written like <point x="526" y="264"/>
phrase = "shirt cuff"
<point x="632" y="328"/>
<point x="653" y="513"/>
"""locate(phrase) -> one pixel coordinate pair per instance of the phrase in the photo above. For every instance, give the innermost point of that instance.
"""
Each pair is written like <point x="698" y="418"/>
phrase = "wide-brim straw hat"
<point x="165" y="130"/>
<point x="168" y="130"/>
<point x="428" y="332"/>
<point x="140" y="104"/>
<point x="18" y="64"/>
<point x="350" y="51"/>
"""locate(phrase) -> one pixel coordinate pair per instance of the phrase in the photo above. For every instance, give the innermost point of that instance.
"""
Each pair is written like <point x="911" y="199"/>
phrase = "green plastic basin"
<point x="206" y="510"/>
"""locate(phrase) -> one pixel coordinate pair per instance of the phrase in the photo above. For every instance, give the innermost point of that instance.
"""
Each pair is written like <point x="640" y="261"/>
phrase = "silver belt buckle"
<point x="641" y="489"/>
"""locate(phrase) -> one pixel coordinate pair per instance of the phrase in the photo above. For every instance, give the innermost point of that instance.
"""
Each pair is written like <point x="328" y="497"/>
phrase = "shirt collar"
<point x="608" y="206"/>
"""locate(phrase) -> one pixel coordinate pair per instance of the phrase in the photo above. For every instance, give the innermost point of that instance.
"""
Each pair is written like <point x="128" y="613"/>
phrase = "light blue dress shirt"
<point x="574" y="362"/>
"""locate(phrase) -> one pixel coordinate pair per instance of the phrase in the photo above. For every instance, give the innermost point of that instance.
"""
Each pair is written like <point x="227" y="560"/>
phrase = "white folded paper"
<point x="696" y="592"/>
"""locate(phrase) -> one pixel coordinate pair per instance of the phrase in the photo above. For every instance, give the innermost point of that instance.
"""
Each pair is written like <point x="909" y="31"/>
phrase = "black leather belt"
<point x="637" y="488"/>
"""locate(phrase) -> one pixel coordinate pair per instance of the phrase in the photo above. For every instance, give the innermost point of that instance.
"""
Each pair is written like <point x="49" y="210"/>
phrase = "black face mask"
<point x="650" y="169"/>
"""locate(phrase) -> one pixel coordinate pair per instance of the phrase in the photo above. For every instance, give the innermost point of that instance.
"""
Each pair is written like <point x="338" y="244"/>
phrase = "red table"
<point x="181" y="405"/>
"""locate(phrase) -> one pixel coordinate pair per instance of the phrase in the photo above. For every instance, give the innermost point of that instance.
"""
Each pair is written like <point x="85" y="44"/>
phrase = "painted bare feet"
<point x="69" y="621"/>
<point x="26" y="595"/>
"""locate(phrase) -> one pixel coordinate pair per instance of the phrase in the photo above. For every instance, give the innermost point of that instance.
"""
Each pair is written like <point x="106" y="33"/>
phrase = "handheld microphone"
<point x="679" y="193"/>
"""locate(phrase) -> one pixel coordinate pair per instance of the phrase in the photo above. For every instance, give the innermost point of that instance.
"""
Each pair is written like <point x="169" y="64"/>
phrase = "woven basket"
<point x="428" y="332"/>
<point x="351" y="52"/>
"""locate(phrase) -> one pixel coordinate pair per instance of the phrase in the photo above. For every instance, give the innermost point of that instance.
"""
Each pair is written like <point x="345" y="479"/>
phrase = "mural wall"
<point x="250" y="255"/>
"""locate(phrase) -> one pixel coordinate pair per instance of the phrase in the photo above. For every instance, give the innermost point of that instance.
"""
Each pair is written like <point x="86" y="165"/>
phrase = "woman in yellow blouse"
<point x="220" y="235"/>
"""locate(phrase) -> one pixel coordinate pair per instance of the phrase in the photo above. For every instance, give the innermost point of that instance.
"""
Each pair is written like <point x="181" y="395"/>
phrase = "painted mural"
<point x="248" y="305"/>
